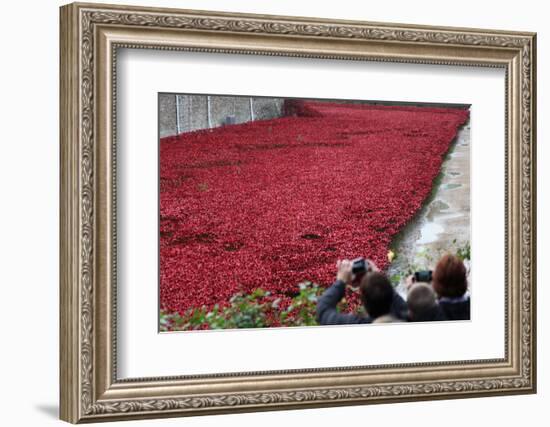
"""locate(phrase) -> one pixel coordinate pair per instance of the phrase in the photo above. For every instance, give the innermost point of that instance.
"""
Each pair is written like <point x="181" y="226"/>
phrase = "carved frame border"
<point x="90" y="36"/>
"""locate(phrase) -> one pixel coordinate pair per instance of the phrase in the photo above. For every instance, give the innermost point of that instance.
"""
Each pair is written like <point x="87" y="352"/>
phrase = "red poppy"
<point x="271" y="203"/>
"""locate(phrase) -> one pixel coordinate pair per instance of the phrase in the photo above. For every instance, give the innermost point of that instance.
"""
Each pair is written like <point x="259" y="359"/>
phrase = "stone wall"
<point x="167" y="115"/>
<point x="185" y="113"/>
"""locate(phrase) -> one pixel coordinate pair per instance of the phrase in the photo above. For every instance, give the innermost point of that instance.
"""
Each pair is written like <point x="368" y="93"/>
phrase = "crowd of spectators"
<point x="441" y="294"/>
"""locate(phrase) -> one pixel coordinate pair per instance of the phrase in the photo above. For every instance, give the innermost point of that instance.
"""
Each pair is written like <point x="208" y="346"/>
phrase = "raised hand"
<point x="343" y="273"/>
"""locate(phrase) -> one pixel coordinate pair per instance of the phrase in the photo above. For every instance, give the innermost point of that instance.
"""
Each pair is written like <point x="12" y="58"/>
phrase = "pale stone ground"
<point x="443" y="224"/>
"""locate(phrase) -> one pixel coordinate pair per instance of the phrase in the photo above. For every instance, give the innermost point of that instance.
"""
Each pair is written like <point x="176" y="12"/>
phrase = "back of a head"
<point x="422" y="303"/>
<point x="449" y="277"/>
<point x="377" y="294"/>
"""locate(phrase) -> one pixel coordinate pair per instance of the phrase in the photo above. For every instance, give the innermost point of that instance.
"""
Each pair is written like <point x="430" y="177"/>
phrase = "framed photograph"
<point x="267" y="212"/>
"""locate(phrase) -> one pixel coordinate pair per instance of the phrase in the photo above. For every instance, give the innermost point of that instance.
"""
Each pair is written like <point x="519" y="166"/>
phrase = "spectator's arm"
<point x="326" y="306"/>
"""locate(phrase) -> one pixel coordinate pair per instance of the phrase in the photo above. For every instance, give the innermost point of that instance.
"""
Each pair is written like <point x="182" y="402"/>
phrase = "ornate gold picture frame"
<point x="91" y="34"/>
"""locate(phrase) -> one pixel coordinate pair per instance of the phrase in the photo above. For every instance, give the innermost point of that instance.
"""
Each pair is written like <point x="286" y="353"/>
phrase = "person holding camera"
<point x="377" y="294"/>
<point x="449" y="281"/>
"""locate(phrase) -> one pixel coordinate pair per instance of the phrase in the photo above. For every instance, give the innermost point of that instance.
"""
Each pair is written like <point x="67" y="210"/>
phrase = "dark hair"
<point x="449" y="277"/>
<point x="376" y="294"/>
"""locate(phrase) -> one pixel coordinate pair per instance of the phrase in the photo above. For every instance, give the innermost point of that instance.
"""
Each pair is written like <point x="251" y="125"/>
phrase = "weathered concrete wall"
<point x="167" y="115"/>
<point x="267" y="108"/>
<point x="192" y="112"/>
<point x="185" y="113"/>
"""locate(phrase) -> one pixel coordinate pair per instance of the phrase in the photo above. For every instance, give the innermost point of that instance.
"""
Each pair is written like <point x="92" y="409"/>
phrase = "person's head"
<point x="376" y="294"/>
<point x="422" y="302"/>
<point x="449" y="277"/>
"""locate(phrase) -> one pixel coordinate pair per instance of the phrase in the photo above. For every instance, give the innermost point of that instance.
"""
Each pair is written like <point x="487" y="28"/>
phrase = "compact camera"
<point x="359" y="266"/>
<point x="423" y="276"/>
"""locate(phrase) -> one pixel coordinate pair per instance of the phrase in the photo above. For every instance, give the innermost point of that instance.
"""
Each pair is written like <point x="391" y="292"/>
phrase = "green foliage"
<point x="256" y="310"/>
<point x="302" y="309"/>
<point x="243" y="311"/>
<point x="397" y="278"/>
<point x="260" y="309"/>
<point x="463" y="252"/>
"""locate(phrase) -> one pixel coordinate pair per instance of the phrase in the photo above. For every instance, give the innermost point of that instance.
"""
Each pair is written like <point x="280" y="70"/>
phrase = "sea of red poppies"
<point x="271" y="203"/>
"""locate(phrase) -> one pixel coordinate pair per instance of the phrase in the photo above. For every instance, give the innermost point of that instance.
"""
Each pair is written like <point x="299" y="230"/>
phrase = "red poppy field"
<point x="271" y="203"/>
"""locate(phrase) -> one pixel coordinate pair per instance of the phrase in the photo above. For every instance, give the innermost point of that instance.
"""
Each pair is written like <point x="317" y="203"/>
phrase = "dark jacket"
<point x="430" y="315"/>
<point x="456" y="308"/>
<point x="327" y="314"/>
